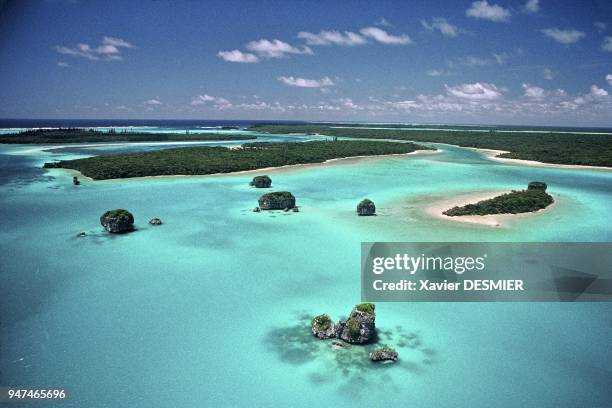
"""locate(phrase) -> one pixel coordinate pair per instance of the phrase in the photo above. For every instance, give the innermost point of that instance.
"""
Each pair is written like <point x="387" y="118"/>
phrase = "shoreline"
<point x="492" y="155"/>
<point x="288" y="167"/>
<point x="492" y="220"/>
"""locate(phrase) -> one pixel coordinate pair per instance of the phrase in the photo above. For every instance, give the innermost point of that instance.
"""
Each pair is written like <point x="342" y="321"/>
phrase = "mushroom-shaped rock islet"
<point x="117" y="221"/>
<point x="385" y="354"/>
<point x="360" y="327"/>
<point x="537" y="185"/>
<point x="366" y="207"/>
<point x="278" y="200"/>
<point x="323" y="327"/>
<point x="261" y="182"/>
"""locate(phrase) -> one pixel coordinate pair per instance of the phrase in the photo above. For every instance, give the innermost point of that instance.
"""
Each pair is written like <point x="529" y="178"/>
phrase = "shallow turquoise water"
<point x="212" y="308"/>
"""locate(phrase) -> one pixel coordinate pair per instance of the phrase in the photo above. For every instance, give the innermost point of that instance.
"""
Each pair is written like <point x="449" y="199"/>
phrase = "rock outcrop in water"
<point x="117" y="221"/>
<point x="360" y="327"/>
<point x="75" y="181"/>
<point x="261" y="182"/>
<point x="278" y="200"/>
<point x="323" y="327"/>
<point x="385" y="353"/>
<point x="155" y="221"/>
<point x="537" y="185"/>
<point x="366" y="207"/>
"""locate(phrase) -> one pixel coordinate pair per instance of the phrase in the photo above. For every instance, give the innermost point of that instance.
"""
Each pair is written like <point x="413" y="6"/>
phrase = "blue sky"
<point x="488" y="61"/>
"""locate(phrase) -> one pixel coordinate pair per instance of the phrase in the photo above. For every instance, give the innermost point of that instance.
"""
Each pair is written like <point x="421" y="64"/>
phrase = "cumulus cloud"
<point x="597" y="92"/>
<point x="306" y="83"/>
<point x="383" y="37"/>
<point x="477" y="90"/>
<point x="569" y="36"/>
<point x="275" y="48"/>
<point x="442" y="25"/>
<point x="152" y="102"/>
<point x="332" y="38"/>
<point x="532" y="6"/>
<point x="109" y="49"/>
<point x="492" y="12"/>
<point x="217" y="102"/>
<point x="238" y="56"/>
<point x="534" y="92"/>
<point x="607" y="44"/>
<point x="609" y="79"/>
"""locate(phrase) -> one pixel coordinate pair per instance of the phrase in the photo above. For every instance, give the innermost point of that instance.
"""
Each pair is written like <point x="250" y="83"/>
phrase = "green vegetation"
<point x="510" y="203"/>
<point x="321" y="322"/>
<point x="78" y="135"/>
<point x="366" y="308"/>
<point x="119" y="214"/>
<point x="353" y="328"/>
<point x="559" y="148"/>
<point x="279" y="195"/>
<point x="210" y="160"/>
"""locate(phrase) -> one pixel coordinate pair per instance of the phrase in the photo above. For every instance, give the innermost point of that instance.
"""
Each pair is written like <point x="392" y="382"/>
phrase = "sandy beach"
<point x="437" y="208"/>
<point x="492" y="154"/>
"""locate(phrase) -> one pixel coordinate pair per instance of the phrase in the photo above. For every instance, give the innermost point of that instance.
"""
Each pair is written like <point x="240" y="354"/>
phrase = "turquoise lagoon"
<point x="213" y="307"/>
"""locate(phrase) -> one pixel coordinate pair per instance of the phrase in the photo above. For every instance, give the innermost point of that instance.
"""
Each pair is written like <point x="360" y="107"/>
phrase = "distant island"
<point x="211" y="160"/>
<point x="556" y="148"/>
<point x="533" y="199"/>
<point x="81" y="135"/>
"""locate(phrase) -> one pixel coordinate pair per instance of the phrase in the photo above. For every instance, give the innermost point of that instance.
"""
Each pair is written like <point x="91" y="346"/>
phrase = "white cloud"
<point x="548" y="74"/>
<point x="534" y="92"/>
<point x="492" y="12"/>
<point x="332" y="38"/>
<point x="600" y="26"/>
<point x="597" y="92"/>
<point x="607" y="44"/>
<point x="383" y="37"/>
<point x="442" y="25"/>
<point x="532" y="6"/>
<point x="109" y="49"/>
<point x="569" y="36"/>
<point x="238" y="56"/>
<point x="477" y="90"/>
<point x="306" y="83"/>
<point x="217" y="102"/>
<point x="63" y="64"/>
<point x="153" y="101"/>
<point x="609" y="79"/>
<point x="275" y="48"/>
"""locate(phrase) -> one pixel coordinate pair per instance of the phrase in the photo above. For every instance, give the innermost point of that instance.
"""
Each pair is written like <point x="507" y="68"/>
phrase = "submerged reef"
<point x="117" y="221"/>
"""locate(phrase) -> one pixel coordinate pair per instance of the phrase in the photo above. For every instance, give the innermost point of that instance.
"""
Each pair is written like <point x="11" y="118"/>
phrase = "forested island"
<point x="211" y="160"/>
<point x="514" y="202"/>
<point x="556" y="148"/>
<point x="82" y="135"/>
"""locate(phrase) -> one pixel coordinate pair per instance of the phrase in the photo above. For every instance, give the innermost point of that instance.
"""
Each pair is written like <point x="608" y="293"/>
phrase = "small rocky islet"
<point x="358" y="329"/>
<point x="117" y="221"/>
<point x="261" y="182"/>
